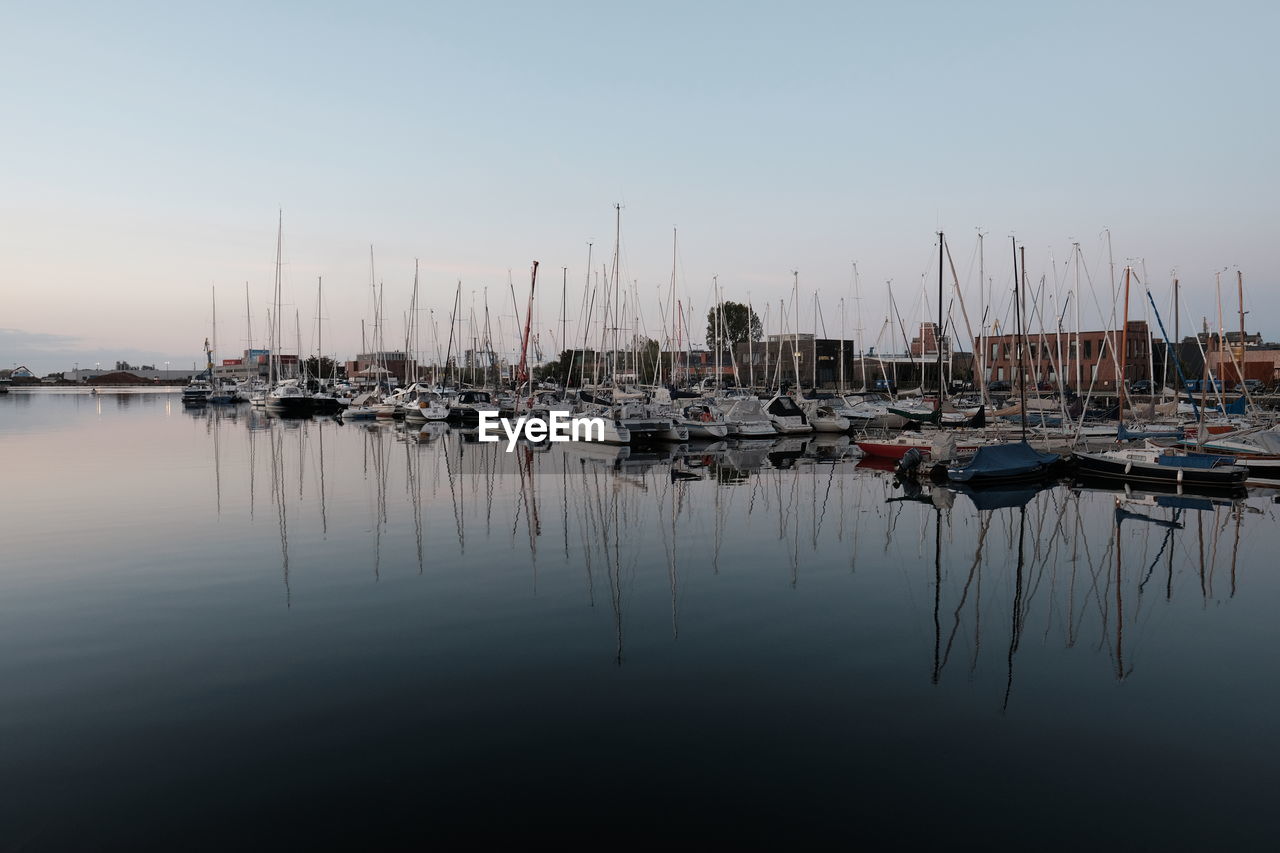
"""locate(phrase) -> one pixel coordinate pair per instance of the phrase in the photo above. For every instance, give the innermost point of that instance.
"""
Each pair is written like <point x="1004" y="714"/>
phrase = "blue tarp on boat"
<point x="1003" y="462"/>
<point x="1124" y="434"/>
<point x="1195" y="460"/>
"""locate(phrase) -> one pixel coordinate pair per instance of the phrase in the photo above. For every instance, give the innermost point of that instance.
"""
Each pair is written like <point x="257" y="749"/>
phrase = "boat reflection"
<point x="1078" y="566"/>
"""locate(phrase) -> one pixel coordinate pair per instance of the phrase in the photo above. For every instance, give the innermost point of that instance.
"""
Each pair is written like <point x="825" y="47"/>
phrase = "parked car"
<point x="1141" y="386"/>
<point x="886" y="385"/>
<point x="1000" y="386"/>
<point x="1253" y="386"/>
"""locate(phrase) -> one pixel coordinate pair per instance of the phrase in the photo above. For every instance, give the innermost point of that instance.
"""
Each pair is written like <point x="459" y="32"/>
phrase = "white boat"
<point x="196" y="392"/>
<point x="420" y="404"/>
<point x="868" y="412"/>
<point x="787" y="417"/>
<point x="824" y="417"/>
<point x="615" y="432"/>
<point x="745" y="416"/>
<point x="467" y="405"/>
<point x="704" y="422"/>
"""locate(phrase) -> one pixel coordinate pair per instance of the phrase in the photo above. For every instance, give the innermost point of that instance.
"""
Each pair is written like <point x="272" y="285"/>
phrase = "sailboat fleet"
<point x="988" y="433"/>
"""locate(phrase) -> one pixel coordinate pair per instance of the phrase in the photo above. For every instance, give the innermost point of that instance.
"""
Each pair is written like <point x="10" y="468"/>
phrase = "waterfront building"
<point x="1048" y="356"/>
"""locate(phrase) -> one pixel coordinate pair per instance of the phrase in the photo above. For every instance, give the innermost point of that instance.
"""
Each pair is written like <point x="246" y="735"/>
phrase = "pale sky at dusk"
<point x="148" y="146"/>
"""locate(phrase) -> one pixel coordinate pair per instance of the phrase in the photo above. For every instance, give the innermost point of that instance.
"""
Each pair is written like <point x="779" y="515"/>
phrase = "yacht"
<point x="745" y="416"/>
<point x="466" y="407"/>
<point x="196" y="392"/>
<point x="787" y="416"/>
<point x="288" y="398"/>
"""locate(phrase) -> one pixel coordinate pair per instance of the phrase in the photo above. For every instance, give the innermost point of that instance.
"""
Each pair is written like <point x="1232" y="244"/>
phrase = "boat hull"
<point x="1099" y="466"/>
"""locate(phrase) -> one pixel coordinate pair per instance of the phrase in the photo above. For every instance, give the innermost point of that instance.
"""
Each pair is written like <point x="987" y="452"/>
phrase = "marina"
<point x="784" y="426"/>
<point x="789" y="626"/>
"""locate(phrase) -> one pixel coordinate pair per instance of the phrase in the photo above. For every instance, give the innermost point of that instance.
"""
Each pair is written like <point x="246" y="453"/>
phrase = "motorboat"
<point x="787" y="416"/>
<point x="745" y="417"/>
<point x="290" y="399"/>
<point x="703" y="421"/>
<point x="196" y="392"/>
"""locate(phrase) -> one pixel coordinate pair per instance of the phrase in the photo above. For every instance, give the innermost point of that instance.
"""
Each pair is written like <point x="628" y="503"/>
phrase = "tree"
<point x="558" y="370"/>
<point x="322" y="368"/>
<point x="738" y="322"/>
<point x="648" y="352"/>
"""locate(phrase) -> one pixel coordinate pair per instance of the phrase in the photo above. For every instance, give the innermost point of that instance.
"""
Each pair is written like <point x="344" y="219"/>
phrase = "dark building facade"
<point x="1046" y="357"/>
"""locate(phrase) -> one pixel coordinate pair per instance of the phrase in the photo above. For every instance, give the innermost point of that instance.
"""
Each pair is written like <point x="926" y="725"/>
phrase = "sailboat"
<point x="221" y="395"/>
<point x="286" y="397"/>
<point x="1003" y="462"/>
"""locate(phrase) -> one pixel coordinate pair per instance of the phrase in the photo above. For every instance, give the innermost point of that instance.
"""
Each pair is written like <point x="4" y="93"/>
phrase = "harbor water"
<point x="221" y="628"/>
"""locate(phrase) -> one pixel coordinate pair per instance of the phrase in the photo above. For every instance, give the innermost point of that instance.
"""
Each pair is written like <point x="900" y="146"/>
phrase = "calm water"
<point x="218" y="628"/>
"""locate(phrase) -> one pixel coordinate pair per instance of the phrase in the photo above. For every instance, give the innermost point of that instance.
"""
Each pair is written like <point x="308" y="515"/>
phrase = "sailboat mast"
<point x="564" y="308"/>
<point x="815" y="342"/>
<point x="982" y="324"/>
<point x="1017" y="329"/>
<point x="1079" y="364"/>
<point x="671" y="341"/>
<point x="453" y="321"/>
<point x="795" y="329"/>
<point x="842" y="347"/>
<point x="1239" y="293"/>
<point x="1121" y="390"/>
<point x="273" y="357"/>
<point x="937" y="333"/>
<point x="413" y="321"/>
<point x="617" y="282"/>
<point x="522" y="374"/>
<point x="248" y="319"/>
<point x="1177" y="313"/>
<point x="214" y="292"/>
<point x="319" y="325"/>
<point x="297" y="331"/>
<point x="861" y="328"/>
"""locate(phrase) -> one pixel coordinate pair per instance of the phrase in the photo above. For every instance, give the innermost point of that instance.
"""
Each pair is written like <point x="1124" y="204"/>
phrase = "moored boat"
<point x="1003" y="463"/>
<point x="1165" y="466"/>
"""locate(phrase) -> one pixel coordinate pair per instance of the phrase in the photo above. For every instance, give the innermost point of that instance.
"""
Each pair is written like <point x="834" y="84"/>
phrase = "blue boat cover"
<point x="1124" y="434"/>
<point x="997" y="461"/>
<point x="1199" y="461"/>
<point x="1238" y="406"/>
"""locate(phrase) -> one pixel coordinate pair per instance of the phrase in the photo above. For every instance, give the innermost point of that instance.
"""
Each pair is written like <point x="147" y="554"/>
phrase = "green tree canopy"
<point x="738" y="322"/>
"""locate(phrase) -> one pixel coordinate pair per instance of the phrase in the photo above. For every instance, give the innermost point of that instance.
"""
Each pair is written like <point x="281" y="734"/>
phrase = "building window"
<point x="1000" y="373"/>
<point x="995" y="352"/>
<point x="1088" y="349"/>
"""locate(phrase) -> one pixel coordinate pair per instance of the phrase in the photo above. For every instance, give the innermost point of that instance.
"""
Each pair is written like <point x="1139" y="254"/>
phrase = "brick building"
<point x="1045" y="357"/>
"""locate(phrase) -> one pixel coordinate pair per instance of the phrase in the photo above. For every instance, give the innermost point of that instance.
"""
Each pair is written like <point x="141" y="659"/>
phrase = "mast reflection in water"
<point x="426" y="635"/>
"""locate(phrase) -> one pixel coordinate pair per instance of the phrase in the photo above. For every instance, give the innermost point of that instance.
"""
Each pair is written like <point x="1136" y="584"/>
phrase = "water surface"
<point x="218" y="627"/>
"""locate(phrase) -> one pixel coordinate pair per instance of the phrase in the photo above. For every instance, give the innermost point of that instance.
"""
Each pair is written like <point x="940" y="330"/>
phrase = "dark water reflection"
<point x="219" y="626"/>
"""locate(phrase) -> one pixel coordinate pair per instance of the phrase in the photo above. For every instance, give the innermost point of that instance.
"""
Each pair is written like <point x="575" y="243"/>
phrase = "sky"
<point x="149" y="150"/>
